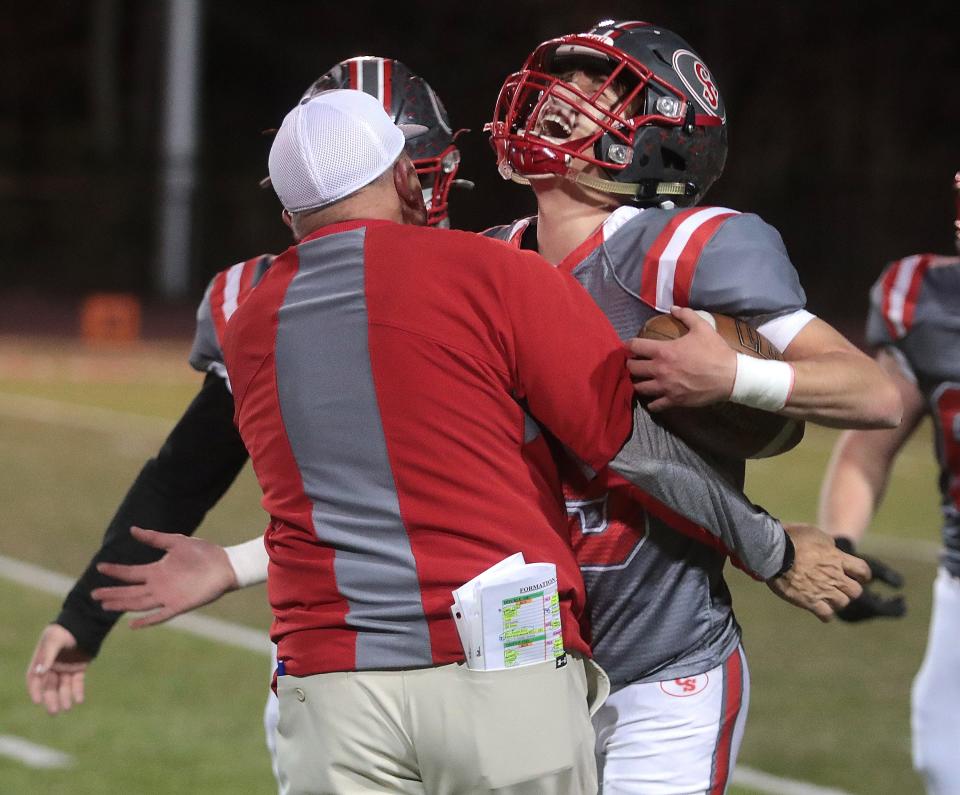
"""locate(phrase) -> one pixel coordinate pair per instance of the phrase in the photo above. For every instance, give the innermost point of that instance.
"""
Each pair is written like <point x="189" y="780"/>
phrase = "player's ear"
<point x="407" y="184"/>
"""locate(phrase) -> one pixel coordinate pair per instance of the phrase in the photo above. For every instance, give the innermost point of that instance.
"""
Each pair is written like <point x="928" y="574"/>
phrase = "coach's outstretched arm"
<point x="800" y="563"/>
<point x="194" y="467"/>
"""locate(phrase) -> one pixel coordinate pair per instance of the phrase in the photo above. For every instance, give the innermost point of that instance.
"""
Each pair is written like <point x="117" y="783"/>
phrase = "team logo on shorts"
<point x="685" y="686"/>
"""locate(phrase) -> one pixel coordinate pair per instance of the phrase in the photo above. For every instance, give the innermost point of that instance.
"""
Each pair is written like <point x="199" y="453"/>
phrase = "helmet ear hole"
<point x="673" y="160"/>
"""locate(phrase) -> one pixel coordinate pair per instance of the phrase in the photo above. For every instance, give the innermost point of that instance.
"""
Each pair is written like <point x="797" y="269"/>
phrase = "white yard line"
<point x="31" y="754"/>
<point x="74" y="415"/>
<point x="775" y="785"/>
<point x="205" y="627"/>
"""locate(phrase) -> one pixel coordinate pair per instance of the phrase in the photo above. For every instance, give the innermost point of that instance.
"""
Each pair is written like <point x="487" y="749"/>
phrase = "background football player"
<point x="915" y="322"/>
<point x="620" y="132"/>
<point x="204" y="453"/>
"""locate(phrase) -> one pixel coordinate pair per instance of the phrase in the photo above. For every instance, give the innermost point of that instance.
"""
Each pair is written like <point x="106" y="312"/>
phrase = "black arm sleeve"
<point x="173" y="492"/>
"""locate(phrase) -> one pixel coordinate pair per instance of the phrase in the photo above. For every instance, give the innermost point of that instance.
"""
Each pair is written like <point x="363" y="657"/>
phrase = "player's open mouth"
<point x="555" y="126"/>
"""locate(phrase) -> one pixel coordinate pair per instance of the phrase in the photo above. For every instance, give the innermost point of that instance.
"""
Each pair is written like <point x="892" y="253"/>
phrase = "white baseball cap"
<point x="331" y="146"/>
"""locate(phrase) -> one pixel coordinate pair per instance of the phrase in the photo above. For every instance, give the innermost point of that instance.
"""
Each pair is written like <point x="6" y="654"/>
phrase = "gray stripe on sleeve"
<point x="330" y="412"/>
<point x="669" y="470"/>
<point x="205" y="354"/>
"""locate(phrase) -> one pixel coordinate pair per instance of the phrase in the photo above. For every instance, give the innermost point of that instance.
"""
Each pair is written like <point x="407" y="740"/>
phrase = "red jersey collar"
<point x="343" y="226"/>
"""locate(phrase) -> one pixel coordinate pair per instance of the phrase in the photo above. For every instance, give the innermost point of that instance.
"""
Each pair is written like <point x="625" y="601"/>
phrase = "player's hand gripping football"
<point x="823" y="579"/>
<point x="56" y="670"/>
<point x="193" y="572"/>
<point x="870" y="604"/>
<point x="696" y="369"/>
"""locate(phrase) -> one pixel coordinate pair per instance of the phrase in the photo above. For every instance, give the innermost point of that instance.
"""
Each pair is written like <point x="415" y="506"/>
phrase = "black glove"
<point x="869" y="604"/>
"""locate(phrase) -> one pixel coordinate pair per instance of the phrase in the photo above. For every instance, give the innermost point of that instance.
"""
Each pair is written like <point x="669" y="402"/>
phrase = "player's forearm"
<point x="843" y="389"/>
<point x="857" y="475"/>
<point x="665" y="467"/>
<point x="853" y="486"/>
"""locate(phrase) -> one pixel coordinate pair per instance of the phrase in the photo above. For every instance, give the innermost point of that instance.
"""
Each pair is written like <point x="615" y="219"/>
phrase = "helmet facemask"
<point x="437" y="176"/>
<point x="545" y="126"/>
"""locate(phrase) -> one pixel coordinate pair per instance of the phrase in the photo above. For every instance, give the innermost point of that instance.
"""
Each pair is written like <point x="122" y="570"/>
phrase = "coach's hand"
<point x="823" y="579"/>
<point x="193" y="572"/>
<point x="56" y="670"/>
<point x="871" y="604"/>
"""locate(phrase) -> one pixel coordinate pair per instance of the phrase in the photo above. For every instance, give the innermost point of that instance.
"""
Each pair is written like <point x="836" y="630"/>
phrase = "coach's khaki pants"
<point x="441" y="730"/>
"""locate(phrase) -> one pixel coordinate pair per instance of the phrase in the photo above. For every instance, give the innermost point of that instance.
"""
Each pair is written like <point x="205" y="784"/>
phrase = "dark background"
<point x="843" y="124"/>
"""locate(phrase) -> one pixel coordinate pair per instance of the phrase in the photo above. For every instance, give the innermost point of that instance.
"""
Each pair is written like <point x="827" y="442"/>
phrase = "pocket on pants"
<point x="529" y="723"/>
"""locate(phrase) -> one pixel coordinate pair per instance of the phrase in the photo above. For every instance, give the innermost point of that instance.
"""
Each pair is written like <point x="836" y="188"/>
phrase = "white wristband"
<point x="762" y="383"/>
<point x="249" y="561"/>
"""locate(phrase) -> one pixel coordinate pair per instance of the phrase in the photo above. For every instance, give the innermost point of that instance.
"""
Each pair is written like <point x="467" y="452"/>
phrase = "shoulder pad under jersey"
<point x="226" y="291"/>
<point x="911" y="291"/>
<point x="709" y="258"/>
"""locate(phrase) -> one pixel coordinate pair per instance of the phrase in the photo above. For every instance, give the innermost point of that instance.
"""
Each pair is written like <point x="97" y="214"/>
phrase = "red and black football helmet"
<point x="408" y="99"/>
<point x="663" y="139"/>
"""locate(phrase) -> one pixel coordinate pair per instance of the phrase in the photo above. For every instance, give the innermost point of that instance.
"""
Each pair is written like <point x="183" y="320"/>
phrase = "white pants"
<point x="271" y="714"/>
<point x="935" y="702"/>
<point x="676" y="737"/>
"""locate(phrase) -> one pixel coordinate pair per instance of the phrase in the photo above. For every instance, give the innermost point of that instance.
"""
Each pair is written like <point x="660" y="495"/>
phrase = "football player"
<point x="914" y="322"/>
<point x="204" y="453"/>
<point x="620" y="132"/>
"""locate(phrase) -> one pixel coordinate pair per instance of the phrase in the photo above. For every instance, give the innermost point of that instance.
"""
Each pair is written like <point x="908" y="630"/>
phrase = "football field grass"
<point x="168" y="712"/>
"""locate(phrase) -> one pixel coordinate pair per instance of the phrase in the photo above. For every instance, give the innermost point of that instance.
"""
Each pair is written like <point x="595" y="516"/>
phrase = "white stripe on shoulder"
<point x="380" y="86"/>
<point x="667" y="266"/>
<point x="231" y="289"/>
<point x="898" y="291"/>
<point x="617" y="219"/>
<point x="782" y="330"/>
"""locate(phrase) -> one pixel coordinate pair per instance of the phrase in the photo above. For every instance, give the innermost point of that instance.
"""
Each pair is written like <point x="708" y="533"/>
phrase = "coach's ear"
<point x="407" y="184"/>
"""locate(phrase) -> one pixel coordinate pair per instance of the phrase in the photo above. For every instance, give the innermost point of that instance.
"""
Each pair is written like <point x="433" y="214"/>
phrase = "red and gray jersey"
<point x="226" y="291"/>
<point x="915" y="313"/>
<point x="658" y="605"/>
<point x="384" y="377"/>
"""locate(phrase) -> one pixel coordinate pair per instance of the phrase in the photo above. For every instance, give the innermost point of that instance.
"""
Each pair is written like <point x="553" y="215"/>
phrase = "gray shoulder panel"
<point x="744" y="270"/>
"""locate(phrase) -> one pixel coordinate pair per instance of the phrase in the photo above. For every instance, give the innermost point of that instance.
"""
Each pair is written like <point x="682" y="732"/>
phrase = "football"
<point x="728" y="430"/>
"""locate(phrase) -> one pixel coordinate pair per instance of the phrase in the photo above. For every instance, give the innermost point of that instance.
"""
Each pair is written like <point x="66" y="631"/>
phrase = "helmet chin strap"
<point x="632" y="189"/>
<point x="629" y="188"/>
